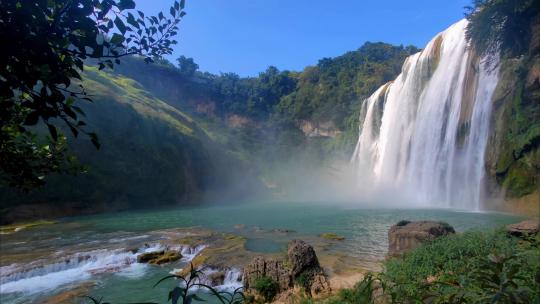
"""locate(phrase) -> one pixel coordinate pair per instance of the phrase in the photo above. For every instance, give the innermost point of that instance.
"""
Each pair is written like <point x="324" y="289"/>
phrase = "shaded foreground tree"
<point x="45" y="45"/>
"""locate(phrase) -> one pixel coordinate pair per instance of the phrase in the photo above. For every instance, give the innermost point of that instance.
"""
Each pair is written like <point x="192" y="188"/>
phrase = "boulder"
<point x="149" y="256"/>
<point x="407" y="235"/>
<point x="302" y="267"/>
<point x="159" y="257"/>
<point x="274" y="269"/>
<point x="301" y="256"/>
<point x="524" y="228"/>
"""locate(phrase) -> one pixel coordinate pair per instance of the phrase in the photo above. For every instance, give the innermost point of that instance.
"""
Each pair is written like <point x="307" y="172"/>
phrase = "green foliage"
<point x="302" y="280"/>
<point x="152" y="154"/>
<point x="474" y="267"/>
<point x="49" y="42"/>
<point x="187" y="66"/>
<point x="501" y="25"/>
<point x="361" y="293"/>
<point x="267" y="288"/>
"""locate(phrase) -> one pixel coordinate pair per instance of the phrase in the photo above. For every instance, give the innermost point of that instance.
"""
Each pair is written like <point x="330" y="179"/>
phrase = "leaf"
<point x="53" y="132"/>
<point x="182" y="4"/>
<point x="176" y="293"/>
<point x="117" y="39"/>
<point x="132" y="21"/>
<point x="173" y="12"/>
<point x="74" y="131"/>
<point x="120" y="25"/>
<point x="197" y="298"/>
<point x="95" y="140"/>
<point x="164" y="278"/>
<point x="32" y="118"/>
<point x="126" y="4"/>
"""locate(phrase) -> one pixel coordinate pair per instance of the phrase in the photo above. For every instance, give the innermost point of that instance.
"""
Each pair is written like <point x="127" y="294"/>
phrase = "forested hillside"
<point x="173" y="135"/>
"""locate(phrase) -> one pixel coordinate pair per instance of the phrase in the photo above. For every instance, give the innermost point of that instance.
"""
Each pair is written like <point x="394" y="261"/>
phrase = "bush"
<point x="267" y="288"/>
<point x="470" y="267"/>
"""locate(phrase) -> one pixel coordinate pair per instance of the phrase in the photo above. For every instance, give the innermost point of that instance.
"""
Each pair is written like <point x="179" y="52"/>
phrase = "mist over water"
<point x="423" y="136"/>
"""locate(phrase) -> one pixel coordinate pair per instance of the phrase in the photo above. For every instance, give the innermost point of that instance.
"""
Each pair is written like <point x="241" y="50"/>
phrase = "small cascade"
<point x="424" y="135"/>
<point x="78" y="267"/>
<point x="44" y="275"/>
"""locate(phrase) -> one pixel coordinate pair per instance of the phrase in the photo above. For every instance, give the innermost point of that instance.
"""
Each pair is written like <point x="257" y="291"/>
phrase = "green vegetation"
<point x="473" y="267"/>
<point x="457" y="264"/>
<point x="361" y="293"/>
<point x="49" y="42"/>
<point x="152" y="154"/>
<point x="501" y="25"/>
<point x="267" y="288"/>
<point x="507" y="27"/>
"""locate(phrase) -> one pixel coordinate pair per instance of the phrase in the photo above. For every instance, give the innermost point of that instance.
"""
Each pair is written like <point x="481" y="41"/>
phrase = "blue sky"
<point x="246" y="36"/>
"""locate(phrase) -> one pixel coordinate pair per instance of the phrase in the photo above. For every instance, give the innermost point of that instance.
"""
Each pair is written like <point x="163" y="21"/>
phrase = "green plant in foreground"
<point x="185" y="293"/>
<point x="361" y="293"/>
<point x="474" y="267"/>
<point x="267" y="288"/>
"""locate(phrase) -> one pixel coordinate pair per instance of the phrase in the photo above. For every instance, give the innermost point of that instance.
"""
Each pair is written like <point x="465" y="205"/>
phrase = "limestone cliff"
<point x="513" y="151"/>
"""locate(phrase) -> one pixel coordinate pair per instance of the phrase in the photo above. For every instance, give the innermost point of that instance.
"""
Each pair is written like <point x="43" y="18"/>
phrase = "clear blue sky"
<point x="246" y="36"/>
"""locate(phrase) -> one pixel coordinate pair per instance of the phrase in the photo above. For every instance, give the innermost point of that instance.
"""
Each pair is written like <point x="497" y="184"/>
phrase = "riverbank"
<point x="100" y="252"/>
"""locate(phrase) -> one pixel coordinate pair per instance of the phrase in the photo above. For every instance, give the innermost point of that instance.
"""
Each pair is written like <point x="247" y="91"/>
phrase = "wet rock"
<point x="149" y="256"/>
<point x="407" y="235"/>
<point x="159" y="257"/>
<point x="524" y="228"/>
<point x="216" y="278"/>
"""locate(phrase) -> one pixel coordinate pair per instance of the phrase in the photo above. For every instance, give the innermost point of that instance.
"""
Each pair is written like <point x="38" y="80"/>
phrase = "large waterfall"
<point x="425" y="133"/>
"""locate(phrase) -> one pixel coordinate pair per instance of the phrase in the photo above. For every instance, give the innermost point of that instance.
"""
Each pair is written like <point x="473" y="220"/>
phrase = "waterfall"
<point x="424" y="134"/>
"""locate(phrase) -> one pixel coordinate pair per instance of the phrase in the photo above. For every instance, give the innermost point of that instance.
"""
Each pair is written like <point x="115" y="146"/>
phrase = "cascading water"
<point x="425" y="133"/>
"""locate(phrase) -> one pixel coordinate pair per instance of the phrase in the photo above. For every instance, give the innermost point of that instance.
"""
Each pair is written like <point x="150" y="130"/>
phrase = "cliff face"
<point x="513" y="151"/>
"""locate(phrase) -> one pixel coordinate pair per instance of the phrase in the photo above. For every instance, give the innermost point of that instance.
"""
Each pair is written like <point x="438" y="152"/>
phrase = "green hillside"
<point x="151" y="154"/>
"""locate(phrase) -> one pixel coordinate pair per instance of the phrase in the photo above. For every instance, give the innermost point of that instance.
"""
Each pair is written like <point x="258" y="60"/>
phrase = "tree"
<point x="187" y="66"/>
<point x="501" y="25"/>
<point x="45" y="45"/>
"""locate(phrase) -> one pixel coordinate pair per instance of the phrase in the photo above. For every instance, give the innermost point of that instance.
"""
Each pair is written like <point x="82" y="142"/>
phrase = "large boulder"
<point x="524" y="228"/>
<point x="407" y="235"/>
<point x="301" y="268"/>
<point x="301" y="256"/>
<point x="260" y="267"/>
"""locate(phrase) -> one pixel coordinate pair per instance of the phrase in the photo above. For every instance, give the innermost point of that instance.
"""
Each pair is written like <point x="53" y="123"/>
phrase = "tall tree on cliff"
<point x="45" y="45"/>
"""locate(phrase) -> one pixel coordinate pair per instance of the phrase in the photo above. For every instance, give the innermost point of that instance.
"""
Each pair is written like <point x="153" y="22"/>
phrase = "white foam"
<point x="78" y="267"/>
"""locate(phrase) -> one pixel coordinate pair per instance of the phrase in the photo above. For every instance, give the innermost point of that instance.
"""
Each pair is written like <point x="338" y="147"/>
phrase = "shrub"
<point x="267" y="288"/>
<point x="471" y="267"/>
